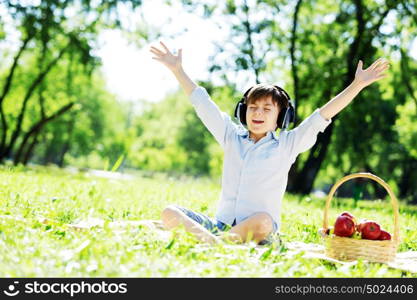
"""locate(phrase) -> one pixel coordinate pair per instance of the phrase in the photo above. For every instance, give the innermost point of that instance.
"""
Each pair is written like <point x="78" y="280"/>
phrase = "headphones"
<point x="285" y="116"/>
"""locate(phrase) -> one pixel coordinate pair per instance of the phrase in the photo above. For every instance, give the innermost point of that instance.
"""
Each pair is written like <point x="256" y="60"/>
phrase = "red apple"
<point x="360" y="226"/>
<point x="344" y="226"/>
<point x="384" y="235"/>
<point x="370" y="230"/>
<point x="348" y="214"/>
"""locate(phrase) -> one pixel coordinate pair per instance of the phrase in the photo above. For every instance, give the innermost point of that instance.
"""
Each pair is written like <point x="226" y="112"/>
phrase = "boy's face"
<point x="264" y="110"/>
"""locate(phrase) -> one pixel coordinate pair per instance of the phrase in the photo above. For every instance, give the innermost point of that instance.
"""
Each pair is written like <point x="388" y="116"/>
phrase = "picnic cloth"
<point x="406" y="261"/>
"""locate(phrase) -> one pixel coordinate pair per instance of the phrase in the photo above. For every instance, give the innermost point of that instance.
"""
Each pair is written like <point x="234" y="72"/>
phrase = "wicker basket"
<point x="348" y="249"/>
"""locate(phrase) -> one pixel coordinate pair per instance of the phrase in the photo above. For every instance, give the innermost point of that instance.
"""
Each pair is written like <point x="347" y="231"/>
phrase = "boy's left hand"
<point x="373" y="73"/>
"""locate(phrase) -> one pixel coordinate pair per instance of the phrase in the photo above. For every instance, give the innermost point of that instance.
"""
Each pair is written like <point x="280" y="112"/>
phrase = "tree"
<point x="320" y="48"/>
<point x="54" y="34"/>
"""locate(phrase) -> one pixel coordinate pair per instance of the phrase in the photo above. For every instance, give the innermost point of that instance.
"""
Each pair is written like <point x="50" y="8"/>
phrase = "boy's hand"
<point x="171" y="61"/>
<point x="362" y="79"/>
<point x="372" y="73"/>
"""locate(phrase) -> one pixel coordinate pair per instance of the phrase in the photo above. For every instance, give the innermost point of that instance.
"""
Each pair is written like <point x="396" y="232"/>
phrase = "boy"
<point x="256" y="159"/>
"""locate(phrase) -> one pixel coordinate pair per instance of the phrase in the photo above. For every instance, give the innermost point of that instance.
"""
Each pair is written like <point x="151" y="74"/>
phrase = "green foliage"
<point x="155" y="146"/>
<point x="330" y="38"/>
<point x="376" y="132"/>
<point x="172" y="138"/>
<point x="193" y="138"/>
<point x="56" y="67"/>
<point x="88" y="129"/>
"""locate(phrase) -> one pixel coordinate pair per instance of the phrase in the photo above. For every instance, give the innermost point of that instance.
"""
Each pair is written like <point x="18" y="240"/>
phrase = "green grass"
<point x="30" y="248"/>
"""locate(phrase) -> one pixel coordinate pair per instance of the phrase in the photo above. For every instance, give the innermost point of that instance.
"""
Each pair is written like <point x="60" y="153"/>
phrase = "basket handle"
<point x="394" y="200"/>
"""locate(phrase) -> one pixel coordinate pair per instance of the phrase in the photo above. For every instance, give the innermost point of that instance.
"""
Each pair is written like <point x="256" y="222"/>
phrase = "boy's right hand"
<point x="171" y="61"/>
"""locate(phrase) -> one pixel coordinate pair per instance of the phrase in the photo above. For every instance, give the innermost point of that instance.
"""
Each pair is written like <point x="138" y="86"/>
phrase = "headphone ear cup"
<point x="242" y="112"/>
<point x="281" y="118"/>
<point x="286" y="116"/>
<point x="291" y="114"/>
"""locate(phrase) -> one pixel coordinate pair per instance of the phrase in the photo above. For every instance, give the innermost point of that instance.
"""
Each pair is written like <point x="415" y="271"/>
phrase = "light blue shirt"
<point x="254" y="175"/>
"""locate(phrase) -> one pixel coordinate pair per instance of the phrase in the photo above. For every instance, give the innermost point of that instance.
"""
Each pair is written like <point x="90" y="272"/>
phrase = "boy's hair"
<point x="262" y="90"/>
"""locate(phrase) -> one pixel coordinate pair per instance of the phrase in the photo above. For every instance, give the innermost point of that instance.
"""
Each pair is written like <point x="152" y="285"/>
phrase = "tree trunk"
<point x="41" y="76"/>
<point x="48" y="154"/>
<point x="36" y="128"/>
<point x="29" y="151"/>
<point x="4" y="93"/>
<point x="249" y="32"/>
<point x="304" y="180"/>
<point x="294" y="69"/>
<point x="407" y="184"/>
<point x="379" y="191"/>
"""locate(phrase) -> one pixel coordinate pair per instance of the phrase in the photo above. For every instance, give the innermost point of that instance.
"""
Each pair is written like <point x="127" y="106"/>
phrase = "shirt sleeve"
<point x="216" y="121"/>
<point x="304" y="136"/>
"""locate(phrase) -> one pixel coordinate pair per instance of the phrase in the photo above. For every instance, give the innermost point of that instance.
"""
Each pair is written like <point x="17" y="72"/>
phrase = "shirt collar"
<point x="245" y="133"/>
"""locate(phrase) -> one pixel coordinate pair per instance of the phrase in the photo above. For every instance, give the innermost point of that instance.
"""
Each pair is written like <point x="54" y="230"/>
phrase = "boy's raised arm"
<point x="216" y="121"/>
<point x="304" y="136"/>
<point x="363" y="78"/>
<point x="174" y="63"/>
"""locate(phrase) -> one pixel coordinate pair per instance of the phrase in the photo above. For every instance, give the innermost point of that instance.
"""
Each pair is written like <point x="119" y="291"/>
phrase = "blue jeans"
<point x="214" y="226"/>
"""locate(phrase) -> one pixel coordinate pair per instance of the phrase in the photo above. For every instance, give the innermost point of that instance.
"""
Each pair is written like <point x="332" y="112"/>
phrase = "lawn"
<point x="30" y="248"/>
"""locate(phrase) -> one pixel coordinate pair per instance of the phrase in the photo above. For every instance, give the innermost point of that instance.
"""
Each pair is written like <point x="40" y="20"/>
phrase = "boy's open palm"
<point x="171" y="61"/>
<point x="373" y="73"/>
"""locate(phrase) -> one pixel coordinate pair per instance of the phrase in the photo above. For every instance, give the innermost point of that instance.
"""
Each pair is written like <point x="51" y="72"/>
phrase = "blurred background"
<point x="78" y="87"/>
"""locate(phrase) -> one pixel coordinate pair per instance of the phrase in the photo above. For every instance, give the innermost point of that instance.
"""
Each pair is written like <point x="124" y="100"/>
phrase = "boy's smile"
<point x="261" y="117"/>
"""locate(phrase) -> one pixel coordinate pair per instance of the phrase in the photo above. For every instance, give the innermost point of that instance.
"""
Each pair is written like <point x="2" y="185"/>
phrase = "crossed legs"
<point x="257" y="227"/>
<point x="173" y="217"/>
